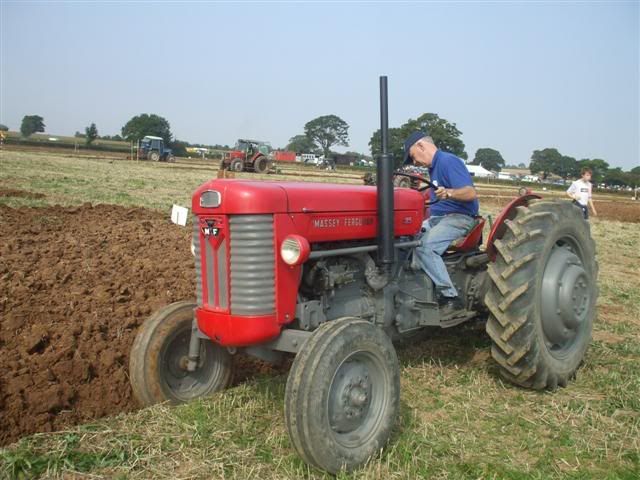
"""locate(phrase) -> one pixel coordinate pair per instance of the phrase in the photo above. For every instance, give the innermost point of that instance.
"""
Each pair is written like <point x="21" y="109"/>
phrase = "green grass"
<point x="458" y="419"/>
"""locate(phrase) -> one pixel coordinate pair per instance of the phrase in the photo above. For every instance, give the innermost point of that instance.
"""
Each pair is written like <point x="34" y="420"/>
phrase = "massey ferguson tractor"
<point x="248" y="155"/>
<point x="327" y="273"/>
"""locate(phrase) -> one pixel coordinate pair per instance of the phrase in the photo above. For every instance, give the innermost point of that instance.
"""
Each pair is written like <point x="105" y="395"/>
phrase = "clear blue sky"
<point x="512" y="76"/>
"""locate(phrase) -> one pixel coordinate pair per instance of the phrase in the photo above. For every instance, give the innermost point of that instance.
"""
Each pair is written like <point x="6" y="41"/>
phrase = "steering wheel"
<point x="419" y="179"/>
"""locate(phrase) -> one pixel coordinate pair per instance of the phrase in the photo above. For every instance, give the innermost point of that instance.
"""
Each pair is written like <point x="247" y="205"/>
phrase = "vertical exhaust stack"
<point x="386" y="253"/>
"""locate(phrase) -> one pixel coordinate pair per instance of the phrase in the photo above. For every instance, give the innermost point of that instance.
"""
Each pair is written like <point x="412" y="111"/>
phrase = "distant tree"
<point x="79" y="134"/>
<point x="615" y="176"/>
<point x="566" y="167"/>
<point x="545" y="161"/>
<point x="91" y="133"/>
<point x="327" y="131"/>
<point x="396" y="142"/>
<point x="115" y="138"/>
<point x="635" y="171"/>
<point x="145" y="124"/>
<point x="522" y="165"/>
<point x="358" y="154"/>
<point x="3" y="128"/>
<point x="445" y="135"/>
<point x="489" y="159"/>
<point x="302" y="144"/>
<point x="31" y="124"/>
<point x="179" y="148"/>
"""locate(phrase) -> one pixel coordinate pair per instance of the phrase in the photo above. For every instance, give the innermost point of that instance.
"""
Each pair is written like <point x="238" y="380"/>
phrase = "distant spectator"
<point x="580" y="193"/>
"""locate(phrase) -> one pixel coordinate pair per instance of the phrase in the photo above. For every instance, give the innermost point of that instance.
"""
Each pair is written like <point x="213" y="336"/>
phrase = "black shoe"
<point x="451" y="303"/>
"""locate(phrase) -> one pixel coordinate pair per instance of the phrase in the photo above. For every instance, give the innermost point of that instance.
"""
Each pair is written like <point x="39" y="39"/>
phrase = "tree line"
<point x="322" y="133"/>
<point x="327" y="131"/>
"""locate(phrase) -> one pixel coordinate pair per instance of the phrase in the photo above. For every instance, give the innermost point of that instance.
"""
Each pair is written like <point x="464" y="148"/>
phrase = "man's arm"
<point x="464" y="194"/>
<point x="459" y="183"/>
<point x="571" y="191"/>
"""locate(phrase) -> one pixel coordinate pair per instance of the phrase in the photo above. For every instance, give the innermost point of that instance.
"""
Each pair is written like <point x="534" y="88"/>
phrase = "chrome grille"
<point x="196" y="245"/>
<point x="252" y="265"/>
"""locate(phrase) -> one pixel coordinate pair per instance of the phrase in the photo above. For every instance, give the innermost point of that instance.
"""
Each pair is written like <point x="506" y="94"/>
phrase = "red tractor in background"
<point x="248" y="155"/>
<point x="326" y="273"/>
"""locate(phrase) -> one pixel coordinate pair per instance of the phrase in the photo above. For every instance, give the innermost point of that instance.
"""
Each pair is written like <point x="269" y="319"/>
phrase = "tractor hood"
<point x="225" y="196"/>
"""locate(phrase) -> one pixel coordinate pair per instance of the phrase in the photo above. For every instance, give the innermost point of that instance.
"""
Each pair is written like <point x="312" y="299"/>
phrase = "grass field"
<point x="458" y="418"/>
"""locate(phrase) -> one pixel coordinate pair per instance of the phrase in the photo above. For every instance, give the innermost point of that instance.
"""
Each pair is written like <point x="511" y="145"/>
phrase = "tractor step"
<point x="452" y="319"/>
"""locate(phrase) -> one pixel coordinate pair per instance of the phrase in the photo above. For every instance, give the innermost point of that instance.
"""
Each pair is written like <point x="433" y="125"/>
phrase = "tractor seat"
<point x="471" y="239"/>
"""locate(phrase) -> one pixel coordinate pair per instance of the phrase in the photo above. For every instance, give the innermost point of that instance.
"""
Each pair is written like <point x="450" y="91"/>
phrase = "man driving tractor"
<point x="452" y="215"/>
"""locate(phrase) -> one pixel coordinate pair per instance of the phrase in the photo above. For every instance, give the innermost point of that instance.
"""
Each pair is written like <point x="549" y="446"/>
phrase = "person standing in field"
<point x="580" y="192"/>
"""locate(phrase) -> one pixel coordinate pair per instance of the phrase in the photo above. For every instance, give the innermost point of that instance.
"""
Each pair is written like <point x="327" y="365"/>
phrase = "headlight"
<point x="210" y="199"/>
<point x="294" y="250"/>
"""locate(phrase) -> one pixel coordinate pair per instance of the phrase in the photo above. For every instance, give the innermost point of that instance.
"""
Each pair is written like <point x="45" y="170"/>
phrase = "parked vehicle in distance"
<point x="153" y="148"/>
<point x="248" y="155"/>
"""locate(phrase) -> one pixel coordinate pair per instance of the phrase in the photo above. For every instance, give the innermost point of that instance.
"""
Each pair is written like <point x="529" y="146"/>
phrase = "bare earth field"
<point x="77" y="279"/>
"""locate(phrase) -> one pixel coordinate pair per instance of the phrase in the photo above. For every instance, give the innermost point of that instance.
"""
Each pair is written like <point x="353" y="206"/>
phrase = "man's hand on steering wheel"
<point x="421" y="179"/>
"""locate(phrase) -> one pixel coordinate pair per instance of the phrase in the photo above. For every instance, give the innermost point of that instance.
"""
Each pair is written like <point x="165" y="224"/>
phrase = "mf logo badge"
<point x="210" y="229"/>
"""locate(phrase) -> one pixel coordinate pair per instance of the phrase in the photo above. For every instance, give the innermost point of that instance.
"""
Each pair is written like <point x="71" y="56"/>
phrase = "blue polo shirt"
<point x="449" y="171"/>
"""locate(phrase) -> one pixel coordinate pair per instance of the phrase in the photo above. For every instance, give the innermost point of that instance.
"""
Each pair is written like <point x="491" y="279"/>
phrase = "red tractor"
<point x="248" y="155"/>
<point x="325" y="272"/>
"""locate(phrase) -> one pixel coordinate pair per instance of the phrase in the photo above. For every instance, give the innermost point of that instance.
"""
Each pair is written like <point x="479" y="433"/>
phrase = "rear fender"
<point x="508" y="213"/>
<point x="257" y="156"/>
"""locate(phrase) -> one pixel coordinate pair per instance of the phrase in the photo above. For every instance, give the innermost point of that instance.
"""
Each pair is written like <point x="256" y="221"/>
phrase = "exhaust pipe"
<point x="386" y="251"/>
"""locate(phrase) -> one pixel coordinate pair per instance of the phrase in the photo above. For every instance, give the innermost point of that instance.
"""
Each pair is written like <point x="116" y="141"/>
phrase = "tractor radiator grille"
<point x="252" y="265"/>
<point x="211" y="271"/>
<point x="196" y="245"/>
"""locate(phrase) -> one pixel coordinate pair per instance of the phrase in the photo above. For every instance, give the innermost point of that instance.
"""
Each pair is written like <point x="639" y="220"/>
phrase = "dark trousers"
<point x="585" y="210"/>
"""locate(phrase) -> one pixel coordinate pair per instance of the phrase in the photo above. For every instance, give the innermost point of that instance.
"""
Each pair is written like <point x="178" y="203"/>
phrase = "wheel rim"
<point x="237" y="166"/>
<point x="566" y="297"/>
<point x="181" y="383"/>
<point x="357" y="398"/>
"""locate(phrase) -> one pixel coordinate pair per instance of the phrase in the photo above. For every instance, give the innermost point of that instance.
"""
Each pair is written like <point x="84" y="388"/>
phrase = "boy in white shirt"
<point x="580" y="192"/>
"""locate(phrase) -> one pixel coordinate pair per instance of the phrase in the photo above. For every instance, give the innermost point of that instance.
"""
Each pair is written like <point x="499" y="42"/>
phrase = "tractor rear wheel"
<point x="542" y="295"/>
<point x="153" y="156"/>
<point x="342" y="395"/>
<point x="237" y="165"/>
<point x="402" y="182"/>
<point x="157" y="365"/>
<point x="261" y="165"/>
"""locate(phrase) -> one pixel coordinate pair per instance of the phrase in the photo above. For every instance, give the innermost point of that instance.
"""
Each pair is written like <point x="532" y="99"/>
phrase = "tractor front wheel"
<point x="237" y="165"/>
<point x="158" y="362"/>
<point x="342" y="395"/>
<point x="542" y="295"/>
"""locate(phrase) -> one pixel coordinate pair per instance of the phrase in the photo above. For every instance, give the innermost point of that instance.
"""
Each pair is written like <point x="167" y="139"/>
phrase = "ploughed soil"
<point x="75" y="285"/>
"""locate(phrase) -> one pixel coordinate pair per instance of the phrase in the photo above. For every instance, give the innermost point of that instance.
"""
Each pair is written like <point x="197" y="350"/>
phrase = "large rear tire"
<point x="237" y="165"/>
<point x="153" y="156"/>
<point x="157" y="365"/>
<point x="542" y="295"/>
<point x="261" y="165"/>
<point x="342" y="395"/>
